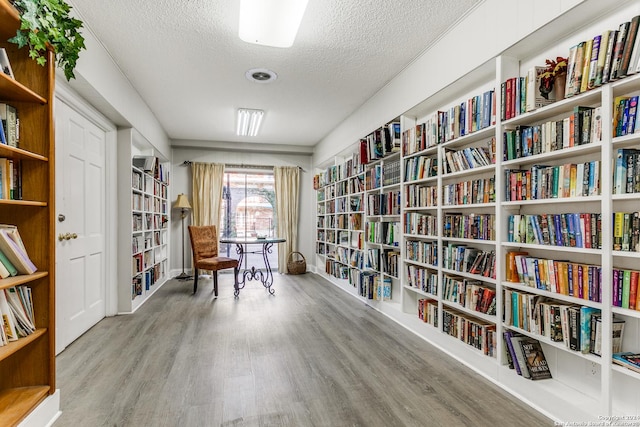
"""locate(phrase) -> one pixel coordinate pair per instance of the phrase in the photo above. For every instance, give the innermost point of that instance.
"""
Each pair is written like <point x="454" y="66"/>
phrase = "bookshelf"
<point x="27" y="366"/>
<point x="144" y="205"/>
<point x="470" y="195"/>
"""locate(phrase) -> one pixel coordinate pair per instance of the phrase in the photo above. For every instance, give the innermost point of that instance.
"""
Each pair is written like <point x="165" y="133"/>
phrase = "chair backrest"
<point x="204" y="241"/>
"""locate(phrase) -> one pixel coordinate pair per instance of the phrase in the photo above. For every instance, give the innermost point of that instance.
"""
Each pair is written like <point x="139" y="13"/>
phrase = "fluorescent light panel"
<point x="249" y="122"/>
<point x="270" y="22"/>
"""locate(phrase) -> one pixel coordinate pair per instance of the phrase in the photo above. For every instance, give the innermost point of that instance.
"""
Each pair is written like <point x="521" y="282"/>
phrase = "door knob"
<point x="74" y="236"/>
<point x="66" y="236"/>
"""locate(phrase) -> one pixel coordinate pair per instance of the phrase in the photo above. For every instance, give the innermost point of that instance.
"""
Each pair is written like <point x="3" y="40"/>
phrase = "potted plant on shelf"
<point x="554" y="77"/>
<point x="46" y="23"/>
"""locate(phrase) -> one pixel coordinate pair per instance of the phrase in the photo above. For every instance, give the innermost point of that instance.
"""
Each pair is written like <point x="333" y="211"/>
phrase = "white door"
<point x="80" y="210"/>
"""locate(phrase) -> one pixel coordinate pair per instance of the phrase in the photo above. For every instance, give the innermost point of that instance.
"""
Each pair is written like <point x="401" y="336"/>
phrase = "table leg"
<point x="267" y="279"/>
<point x="241" y="283"/>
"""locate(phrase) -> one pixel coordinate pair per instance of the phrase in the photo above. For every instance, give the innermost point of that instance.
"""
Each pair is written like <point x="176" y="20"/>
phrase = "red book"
<point x="587" y="230"/>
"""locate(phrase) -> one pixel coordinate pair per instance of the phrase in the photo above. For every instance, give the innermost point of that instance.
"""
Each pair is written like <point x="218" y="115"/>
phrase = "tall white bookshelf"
<point x="584" y="386"/>
<point x="144" y="211"/>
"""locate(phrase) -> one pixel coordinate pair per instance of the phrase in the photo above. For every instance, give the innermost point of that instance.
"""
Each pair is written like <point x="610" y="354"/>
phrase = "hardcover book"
<point x="534" y="359"/>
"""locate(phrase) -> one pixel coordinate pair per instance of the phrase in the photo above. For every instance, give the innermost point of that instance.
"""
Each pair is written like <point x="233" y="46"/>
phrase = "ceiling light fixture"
<point x="249" y="122"/>
<point x="270" y="22"/>
<point x="261" y="75"/>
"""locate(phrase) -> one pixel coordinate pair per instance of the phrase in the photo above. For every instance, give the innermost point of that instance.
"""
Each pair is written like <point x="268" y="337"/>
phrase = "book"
<point x="586" y="63"/>
<point x="519" y="354"/>
<point x="534" y="359"/>
<point x="606" y="71"/>
<point x="616" y="59"/>
<point x="9" y="118"/>
<point x="593" y="66"/>
<point x="628" y="359"/>
<point x="574" y="70"/>
<point x="629" y="46"/>
<point x="15" y="254"/>
<point x="8" y="319"/>
<point x="536" y="94"/>
<point x="5" y="63"/>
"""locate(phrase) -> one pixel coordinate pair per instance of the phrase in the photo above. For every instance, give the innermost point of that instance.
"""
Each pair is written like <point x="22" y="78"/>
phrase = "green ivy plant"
<point x="46" y="23"/>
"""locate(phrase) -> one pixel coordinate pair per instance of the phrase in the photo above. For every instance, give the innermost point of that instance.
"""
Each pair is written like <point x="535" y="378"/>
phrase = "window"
<point x="249" y="210"/>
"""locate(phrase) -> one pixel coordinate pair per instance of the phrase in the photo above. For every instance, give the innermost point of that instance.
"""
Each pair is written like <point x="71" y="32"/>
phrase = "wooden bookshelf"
<point x="27" y="366"/>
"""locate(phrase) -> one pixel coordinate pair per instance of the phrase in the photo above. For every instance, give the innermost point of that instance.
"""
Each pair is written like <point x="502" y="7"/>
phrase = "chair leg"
<point x="195" y="280"/>
<point x="215" y="283"/>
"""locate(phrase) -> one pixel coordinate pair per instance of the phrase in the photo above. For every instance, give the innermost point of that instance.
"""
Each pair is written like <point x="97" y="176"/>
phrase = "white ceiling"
<point x="186" y="61"/>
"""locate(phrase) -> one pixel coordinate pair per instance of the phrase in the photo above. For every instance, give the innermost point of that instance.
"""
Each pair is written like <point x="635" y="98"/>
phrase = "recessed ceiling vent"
<point x="261" y="75"/>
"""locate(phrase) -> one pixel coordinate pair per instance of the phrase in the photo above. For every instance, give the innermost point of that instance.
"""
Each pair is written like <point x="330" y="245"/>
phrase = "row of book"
<point x="575" y="279"/>
<point x="383" y="232"/>
<point x="10" y="179"/>
<point x="469" y="260"/>
<point x="553" y="182"/>
<point x="577" y="230"/>
<point x="350" y="168"/>
<point x="525" y="356"/>
<point x="387" y="203"/>
<point x="9" y="125"/>
<point x="14" y="259"/>
<point x="583" y="126"/>
<point x="420" y="224"/>
<point x="16" y="311"/>
<point x="468" y="293"/>
<point x="424" y="252"/>
<point x="578" y="327"/>
<point x="469" y="192"/>
<point x="470" y="330"/>
<point x="469" y="226"/>
<point x="626" y="231"/>
<point x="421" y="278"/>
<point x="476" y="113"/>
<point x="625" y="289"/>
<point x="391" y="172"/>
<point x="626" y="171"/>
<point x="625" y="115"/>
<point x="380" y="143"/>
<point x="606" y="57"/>
<point x="373" y="286"/>
<point x="418" y="196"/>
<point x="420" y="167"/>
<point x="469" y="157"/>
<point x="428" y="311"/>
<point x="385" y="174"/>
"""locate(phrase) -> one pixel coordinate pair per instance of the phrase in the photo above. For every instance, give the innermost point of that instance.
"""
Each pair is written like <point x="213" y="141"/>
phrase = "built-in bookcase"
<point x="27" y="365"/>
<point x="511" y="221"/>
<point x="144" y="204"/>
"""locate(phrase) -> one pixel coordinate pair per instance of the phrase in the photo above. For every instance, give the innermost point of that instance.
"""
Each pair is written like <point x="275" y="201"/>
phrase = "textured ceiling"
<point x="186" y="61"/>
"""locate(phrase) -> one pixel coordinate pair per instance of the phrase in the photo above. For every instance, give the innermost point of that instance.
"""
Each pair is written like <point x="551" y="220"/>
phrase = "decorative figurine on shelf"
<point x="554" y="78"/>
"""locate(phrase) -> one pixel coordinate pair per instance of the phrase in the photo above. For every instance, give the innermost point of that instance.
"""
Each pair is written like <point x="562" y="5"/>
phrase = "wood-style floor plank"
<point x="308" y="356"/>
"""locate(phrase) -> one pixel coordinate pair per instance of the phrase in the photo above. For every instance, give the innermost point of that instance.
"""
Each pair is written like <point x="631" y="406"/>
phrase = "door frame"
<point x="64" y="93"/>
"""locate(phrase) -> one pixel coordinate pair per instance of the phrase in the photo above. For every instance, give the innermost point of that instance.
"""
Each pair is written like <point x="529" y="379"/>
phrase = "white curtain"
<point x="208" y="180"/>
<point x="287" y="183"/>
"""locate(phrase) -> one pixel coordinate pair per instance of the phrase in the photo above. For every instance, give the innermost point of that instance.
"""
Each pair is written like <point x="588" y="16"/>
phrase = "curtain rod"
<point x="240" y="166"/>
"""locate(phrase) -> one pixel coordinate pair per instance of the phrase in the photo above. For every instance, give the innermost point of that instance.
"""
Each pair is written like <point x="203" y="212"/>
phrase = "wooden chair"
<point x="204" y="244"/>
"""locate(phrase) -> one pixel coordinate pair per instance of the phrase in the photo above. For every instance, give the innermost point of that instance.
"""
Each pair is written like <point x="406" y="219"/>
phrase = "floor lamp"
<point x="182" y="203"/>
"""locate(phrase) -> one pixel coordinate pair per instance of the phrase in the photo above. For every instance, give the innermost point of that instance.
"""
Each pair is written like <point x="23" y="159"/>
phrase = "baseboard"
<point x="45" y="414"/>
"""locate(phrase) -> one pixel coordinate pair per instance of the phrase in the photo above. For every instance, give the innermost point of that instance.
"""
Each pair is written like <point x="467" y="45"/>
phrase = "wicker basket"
<point x="296" y="266"/>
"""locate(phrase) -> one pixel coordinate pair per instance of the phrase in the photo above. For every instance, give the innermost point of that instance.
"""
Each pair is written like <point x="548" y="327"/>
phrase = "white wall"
<point x="104" y="86"/>
<point x="181" y="183"/>
<point x="490" y="29"/>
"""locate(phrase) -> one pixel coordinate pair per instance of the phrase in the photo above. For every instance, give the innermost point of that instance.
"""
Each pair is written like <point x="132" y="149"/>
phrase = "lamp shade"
<point x="182" y="202"/>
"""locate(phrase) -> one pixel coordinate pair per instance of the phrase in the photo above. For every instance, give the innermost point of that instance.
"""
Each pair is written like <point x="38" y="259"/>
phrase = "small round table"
<point x="266" y="276"/>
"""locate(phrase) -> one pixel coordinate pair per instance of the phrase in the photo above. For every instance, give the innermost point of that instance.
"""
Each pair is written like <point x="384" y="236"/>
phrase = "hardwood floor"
<point x="308" y="356"/>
